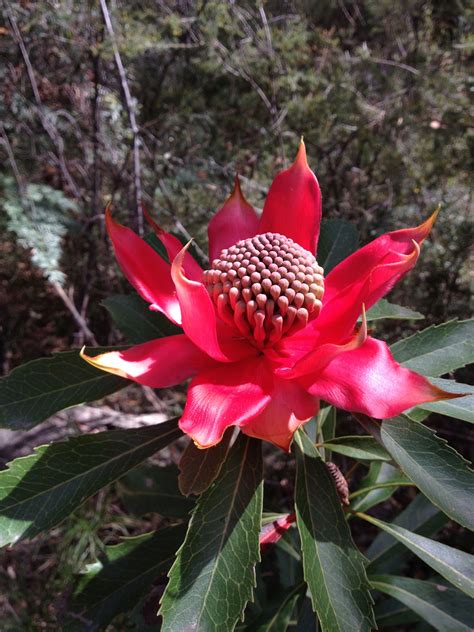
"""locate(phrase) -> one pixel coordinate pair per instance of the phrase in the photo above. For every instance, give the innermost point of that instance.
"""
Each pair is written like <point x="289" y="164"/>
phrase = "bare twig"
<point x="131" y="115"/>
<point x="395" y="64"/>
<point x="88" y="335"/>
<point x="48" y="126"/>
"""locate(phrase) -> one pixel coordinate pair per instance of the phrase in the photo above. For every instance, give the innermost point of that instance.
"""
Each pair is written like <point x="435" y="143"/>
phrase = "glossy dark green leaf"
<point x="199" y="468"/>
<point x="337" y="240"/>
<point x="40" y="490"/>
<point x="213" y="575"/>
<point x="333" y="567"/>
<point x="459" y="408"/>
<point x="437" y="469"/>
<point x="455" y="566"/>
<point x="36" y="390"/>
<point x="383" y="309"/>
<point x="446" y="609"/>
<point x="381" y="481"/>
<point x="438" y="349"/>
<point x="133" y="317"/>
<point x="122" y="577"/>
<point x="153" y="488"/>
<point x="385" y="553"/>
<point x="358" y="447"/>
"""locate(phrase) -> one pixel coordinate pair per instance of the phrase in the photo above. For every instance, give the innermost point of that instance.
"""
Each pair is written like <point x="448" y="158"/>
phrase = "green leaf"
<point x="438" y="349"/>
<point x="459" y="408"/>
<point x="40" y="490"/>
<point x="437" y="469"/>
<point x="337" y="240"/>
<point x="455" y="566"/>
<point x="333" y="567"/>
<point x="36" y="390"/>
<point x="132" y="316"/>
<point x="359" y="447"/>
<point x="213" y="575"/>
<point x="199" y="468"/>
<point x="379" y="484"/>
<point x="445" y="608"/>
<point x="151" y="488"/>
<point x="384" y="309"/>
<point x="421" y="517"/>
<point x="123" y="577"/>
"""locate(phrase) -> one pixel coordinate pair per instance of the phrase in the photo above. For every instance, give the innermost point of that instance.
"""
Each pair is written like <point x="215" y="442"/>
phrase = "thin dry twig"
<point x="46" y="122"/>
<point x="131" y="115"/>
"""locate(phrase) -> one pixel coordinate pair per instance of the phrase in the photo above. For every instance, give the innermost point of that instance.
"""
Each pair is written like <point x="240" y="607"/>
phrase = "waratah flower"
<point x="265" y="335"/>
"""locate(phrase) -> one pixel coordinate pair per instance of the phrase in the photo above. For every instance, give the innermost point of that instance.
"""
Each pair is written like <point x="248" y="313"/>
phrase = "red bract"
<point x="265" y="338"/>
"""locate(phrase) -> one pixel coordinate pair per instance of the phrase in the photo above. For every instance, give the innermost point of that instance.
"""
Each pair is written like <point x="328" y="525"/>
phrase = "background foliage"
<point x="379" y="90"/>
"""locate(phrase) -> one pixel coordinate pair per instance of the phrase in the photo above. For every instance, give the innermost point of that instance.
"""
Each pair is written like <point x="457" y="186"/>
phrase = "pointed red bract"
<point x="234" y="221"/>
<point x="229" y="395"/>
<point x="368" y="380"/>
<point x="293" y="204"/>
<point x="379" y="265"/>
<point x="173" y="246"/>
<point x="159" y="363"/>
<point x="149" y="274"/>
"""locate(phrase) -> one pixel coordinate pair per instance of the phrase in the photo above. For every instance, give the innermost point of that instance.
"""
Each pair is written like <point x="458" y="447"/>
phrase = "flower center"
<point x="267" y="286"/>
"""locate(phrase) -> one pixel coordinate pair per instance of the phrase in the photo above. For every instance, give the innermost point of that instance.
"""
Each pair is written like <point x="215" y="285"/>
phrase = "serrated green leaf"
<point x="446" y="609"/>
<point x="437" y="469"/>
<point x="337" y="240"/>
<point x="122" y="577"/>
<point x="455" y="566"/>
<point x="213" y="575"/>
<point x="380" y="474"/>
<point x="152" y="488"/>
<point x="384" y="309"/>
<point x="459" y="408"/>
<point x="199" y="468"/>
<point x="40" y="490"/>
<point x="358" y="447"/>
<point x="133" y="317"/>
<point x="385" y="553"/>
<point x="36" y="390"/>
<point x="438" y="349"/>
<point x="333" y="567"/>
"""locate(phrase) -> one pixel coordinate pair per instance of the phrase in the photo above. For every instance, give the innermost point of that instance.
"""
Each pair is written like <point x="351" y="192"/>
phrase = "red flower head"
<point x="265" y="337"/>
